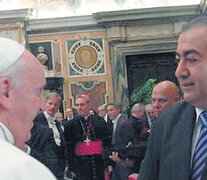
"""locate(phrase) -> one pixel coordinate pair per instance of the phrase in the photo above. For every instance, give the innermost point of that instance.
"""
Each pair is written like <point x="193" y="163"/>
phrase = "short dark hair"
<point x="118" y="105"/>
<point x="199" y="21"/>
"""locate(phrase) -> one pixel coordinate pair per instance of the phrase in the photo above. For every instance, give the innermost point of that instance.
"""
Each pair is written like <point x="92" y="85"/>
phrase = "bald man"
<point x="21" y="83"/>
<point x="164" y="95"/>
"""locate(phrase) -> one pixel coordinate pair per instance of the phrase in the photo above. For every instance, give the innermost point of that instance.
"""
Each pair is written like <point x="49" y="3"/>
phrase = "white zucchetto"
<point x="10" y="51"/>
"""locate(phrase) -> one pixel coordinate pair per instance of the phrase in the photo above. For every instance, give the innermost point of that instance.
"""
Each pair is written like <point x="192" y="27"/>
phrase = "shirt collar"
<point x="116" y="118"/>
<point x="69" y="118"/>
<point x="6" y="134"/>
<point x="48" y="117"/>
<point x="198" y="112"/>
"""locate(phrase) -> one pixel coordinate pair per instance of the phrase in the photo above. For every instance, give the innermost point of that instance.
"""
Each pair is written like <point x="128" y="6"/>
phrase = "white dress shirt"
<point x="17" y="165"/>
<point x="115" y="121"/>
<point x="52" y="125"/>
<point x="69" y="118"/>
<point x="106" y="117"/>
<point x="196" y="131"/>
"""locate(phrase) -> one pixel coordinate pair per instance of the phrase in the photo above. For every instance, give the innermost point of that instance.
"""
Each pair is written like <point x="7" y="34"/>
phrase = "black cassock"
<point x="87" y="167"/>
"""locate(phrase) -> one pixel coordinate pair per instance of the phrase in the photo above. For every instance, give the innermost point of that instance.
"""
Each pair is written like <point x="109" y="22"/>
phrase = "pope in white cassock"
<point x="21" y="82"/>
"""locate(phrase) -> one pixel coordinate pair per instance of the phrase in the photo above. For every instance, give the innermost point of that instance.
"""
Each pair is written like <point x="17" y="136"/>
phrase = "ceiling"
<point x="61" y="8"/>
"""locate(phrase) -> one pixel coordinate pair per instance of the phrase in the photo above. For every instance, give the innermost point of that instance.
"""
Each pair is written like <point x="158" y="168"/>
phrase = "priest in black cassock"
<point x="84" y="135"/>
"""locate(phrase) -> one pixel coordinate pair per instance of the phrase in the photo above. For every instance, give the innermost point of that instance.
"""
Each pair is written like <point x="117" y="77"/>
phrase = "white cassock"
<point x="16" y="164"/>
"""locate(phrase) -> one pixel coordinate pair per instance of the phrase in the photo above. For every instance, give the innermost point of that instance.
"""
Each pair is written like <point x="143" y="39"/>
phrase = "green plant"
<point x="143" y="93"/>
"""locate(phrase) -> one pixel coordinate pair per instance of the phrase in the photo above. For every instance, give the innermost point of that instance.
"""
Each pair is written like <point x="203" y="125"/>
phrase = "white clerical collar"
<point x="5" y="134"/>
<point x="49" y="118"/>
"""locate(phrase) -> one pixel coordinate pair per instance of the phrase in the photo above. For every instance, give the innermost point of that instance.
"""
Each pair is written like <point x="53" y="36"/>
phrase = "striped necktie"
<point x="200" y="154"/>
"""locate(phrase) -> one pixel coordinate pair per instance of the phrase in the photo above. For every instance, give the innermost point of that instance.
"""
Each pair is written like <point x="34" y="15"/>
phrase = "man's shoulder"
<point x="40" y="119"/>
<point x="179" y="108"/>
<point x="177" y="113"/>
<point x="19" y="163"/>
<point x="98" y="119"/>
<point x="123" y="118"/>
<point x="40" y="115"/>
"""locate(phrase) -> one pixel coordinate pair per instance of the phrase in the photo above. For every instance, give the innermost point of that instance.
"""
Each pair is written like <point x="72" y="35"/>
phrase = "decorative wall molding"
<point x="97" y="91"/>
<point x="18" y="15"/>
<point x="86" y="57"/>
<point x="60" y="24"/>
<point x="146" y="15"/>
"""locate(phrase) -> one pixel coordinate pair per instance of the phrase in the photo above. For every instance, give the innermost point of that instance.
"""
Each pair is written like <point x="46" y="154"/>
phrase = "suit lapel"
<point x="44" y="120"/>
<point x="182" y="144"/>
<point x="117" y="127"/>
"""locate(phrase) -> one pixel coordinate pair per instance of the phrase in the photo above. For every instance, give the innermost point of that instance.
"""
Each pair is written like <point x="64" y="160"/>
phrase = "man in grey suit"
<point x="172" y="149"/>
<point x="122" y="129"/>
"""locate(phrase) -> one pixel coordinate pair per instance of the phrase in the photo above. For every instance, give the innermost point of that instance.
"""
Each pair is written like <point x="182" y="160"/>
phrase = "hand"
<point x="73" y="174"/>
<point x="133" y="176"/>
<point x="115" y="157"/>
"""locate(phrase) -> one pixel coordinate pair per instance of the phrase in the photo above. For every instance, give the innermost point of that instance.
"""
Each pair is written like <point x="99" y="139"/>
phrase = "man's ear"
<point x="5" y="87"/>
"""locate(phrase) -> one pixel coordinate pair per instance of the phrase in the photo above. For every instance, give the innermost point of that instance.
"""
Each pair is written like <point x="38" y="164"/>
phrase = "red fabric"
<point x="131" y="178"/>
<point x="86" y="96"/>
<point x="84" y="148"/>
<point x="107" y="175"/>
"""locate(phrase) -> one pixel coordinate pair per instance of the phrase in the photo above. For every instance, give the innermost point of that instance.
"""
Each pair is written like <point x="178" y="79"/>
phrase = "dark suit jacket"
<point x="145" y="122"/>
<point x="168" y="154"/>
<point x="41" y="144"/>
<point x="124" y="131"/>
<point x="65" y="121"/>
<point x="109" y="124"/>
<point x="57" y="161"/>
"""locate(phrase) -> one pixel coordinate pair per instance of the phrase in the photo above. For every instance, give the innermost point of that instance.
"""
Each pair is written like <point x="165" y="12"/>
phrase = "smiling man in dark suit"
<point x="177" y="146"/>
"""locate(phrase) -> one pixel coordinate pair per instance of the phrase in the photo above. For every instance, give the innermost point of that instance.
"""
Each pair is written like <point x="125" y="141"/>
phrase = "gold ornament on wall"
<point x="86" y="57"/>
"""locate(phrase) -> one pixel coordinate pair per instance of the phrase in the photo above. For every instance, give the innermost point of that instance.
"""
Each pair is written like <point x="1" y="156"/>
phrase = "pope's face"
<point x="27" y="99"/>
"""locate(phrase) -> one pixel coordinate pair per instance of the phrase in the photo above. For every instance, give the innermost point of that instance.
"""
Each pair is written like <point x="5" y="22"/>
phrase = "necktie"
<point x="56" y="133"/>
<point x="200" y="154"/>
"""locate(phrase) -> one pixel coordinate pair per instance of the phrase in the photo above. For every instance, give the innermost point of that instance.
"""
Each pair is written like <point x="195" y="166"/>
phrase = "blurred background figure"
<point x="92" y="112"/>
<point x="102" y="112"/>
<point x="150" y="115"/>
<point x="138" y="120"/>
<point x="69" y="116"/>
<point x="59" y="118"/>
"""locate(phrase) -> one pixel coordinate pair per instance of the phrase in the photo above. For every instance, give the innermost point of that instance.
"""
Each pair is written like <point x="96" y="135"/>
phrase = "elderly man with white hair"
<point x="21" y="83"/>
